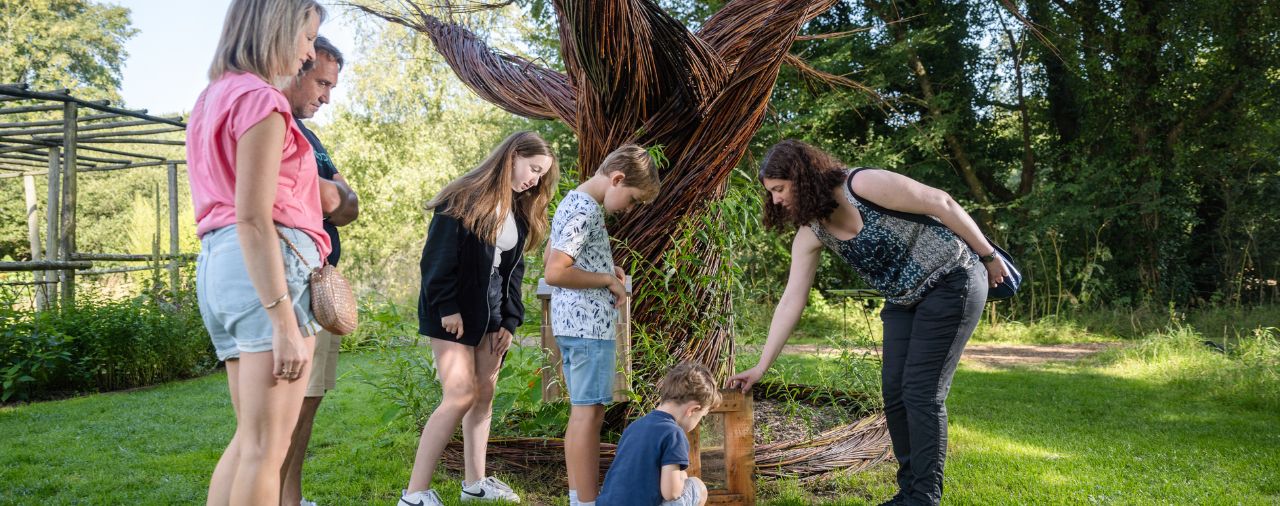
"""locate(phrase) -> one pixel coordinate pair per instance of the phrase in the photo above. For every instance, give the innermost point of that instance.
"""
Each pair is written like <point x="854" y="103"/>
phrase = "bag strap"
<point x="294" y="248"/>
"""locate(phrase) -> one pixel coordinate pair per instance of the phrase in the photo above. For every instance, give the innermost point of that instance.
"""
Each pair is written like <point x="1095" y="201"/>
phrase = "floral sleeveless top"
<point x="901" y="258"/>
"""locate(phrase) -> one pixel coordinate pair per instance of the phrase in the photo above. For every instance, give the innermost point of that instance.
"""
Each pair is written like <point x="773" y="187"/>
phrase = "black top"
<point x="456" y="268"/>
<point x="327" y="170"/>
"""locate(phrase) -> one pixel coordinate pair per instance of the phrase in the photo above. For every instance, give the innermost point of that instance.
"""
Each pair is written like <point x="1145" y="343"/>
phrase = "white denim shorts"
<point x="229" y="305"/>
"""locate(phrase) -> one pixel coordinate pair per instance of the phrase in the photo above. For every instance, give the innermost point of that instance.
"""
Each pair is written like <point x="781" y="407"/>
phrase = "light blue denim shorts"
<point x="689" y="497"/>
<point x="588" y="369"/>
<point x="229" y="305"/>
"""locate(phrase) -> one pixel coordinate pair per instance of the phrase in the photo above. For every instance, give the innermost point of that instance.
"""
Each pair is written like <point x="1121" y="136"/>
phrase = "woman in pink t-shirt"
<point x="253" y="181"/>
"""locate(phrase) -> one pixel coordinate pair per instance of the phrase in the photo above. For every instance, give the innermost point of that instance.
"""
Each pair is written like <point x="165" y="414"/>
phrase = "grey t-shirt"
<point x="578" y="230"/>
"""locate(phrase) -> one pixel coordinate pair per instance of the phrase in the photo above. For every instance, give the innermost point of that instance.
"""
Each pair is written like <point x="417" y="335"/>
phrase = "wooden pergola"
<point x="90" y="136"/>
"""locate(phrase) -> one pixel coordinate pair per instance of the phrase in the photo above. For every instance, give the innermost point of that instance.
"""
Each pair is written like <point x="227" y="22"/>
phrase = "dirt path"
<point x="993" y="355"/>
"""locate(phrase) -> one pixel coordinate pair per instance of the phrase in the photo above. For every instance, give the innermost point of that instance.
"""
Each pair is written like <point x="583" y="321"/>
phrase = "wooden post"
<point x="622" y="351"/>
<point x="68" y="246"/>
<point x="173" y="227"/>
<point x="52" y="213"/>
<point x="552" y="379"/>
<point x="730" y="467"/>
<point x="155" y="240"/>
<point x="33" y="234"/>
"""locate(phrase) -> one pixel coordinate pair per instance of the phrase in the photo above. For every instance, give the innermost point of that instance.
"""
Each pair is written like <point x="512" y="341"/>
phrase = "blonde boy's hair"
<point x="640" y="169"/>
<point x="689" y="381"/>
<point x="261" y="36"/>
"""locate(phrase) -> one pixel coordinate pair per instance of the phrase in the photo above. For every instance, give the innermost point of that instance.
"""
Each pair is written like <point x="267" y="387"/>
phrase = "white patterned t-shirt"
<point x="578" y="230"/>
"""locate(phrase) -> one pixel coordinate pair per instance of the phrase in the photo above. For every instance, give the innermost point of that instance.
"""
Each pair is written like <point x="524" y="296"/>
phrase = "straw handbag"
<point x="332" y="301"/>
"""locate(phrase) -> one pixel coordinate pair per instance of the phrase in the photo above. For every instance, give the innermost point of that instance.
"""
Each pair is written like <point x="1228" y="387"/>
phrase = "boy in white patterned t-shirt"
<point x="586" y="292"/>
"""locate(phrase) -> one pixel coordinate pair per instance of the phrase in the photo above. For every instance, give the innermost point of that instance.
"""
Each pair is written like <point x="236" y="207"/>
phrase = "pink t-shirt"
<point x="225" y="110"/>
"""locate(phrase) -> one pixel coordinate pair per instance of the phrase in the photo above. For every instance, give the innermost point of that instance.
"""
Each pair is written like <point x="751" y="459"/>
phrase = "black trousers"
<point x="922" y="345"/>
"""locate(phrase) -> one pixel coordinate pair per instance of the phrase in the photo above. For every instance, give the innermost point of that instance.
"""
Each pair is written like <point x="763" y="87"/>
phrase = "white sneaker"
<point x="489" y="489"/>
<point x="305" y="502"/>
<point x="420" y="498"/>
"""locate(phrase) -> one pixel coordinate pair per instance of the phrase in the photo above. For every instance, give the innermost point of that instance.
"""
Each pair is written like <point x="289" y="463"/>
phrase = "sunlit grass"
<point x="1162" y="420"/>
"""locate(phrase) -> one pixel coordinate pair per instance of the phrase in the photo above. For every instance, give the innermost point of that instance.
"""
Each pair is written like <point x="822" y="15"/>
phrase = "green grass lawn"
<point x="1162" y="421"/>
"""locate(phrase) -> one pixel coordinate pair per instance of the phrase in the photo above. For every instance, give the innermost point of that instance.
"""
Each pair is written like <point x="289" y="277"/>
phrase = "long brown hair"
<point x="813" y="173"/>
<point x="482" y="196"/>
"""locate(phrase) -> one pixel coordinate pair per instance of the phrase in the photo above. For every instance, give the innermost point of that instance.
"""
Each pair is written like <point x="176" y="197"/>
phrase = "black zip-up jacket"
<point x="456" y="268"/>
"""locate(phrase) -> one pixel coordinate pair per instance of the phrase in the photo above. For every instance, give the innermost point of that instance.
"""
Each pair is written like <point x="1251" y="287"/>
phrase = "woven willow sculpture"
<point x="635" y="74"/>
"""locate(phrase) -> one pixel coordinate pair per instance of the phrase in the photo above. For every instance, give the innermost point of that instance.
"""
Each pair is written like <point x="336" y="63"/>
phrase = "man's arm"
<point x="338" y="201"/>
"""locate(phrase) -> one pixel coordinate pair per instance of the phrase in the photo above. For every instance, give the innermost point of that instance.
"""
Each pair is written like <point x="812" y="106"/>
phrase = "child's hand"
<point x="619" y="292"/>
<point x="453" y="325"/>
<point x="499" y="341"/>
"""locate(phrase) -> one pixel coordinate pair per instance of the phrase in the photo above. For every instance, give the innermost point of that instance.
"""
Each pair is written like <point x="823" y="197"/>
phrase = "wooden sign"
<point x="553" y="365"/>
<point x="722" y="451"/>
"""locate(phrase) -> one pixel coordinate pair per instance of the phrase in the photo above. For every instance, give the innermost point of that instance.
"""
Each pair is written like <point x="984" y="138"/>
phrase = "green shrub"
<point x="101" y="345"/>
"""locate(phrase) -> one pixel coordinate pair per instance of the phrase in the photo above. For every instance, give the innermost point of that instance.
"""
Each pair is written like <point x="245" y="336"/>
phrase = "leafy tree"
<point x="75" y="44"/>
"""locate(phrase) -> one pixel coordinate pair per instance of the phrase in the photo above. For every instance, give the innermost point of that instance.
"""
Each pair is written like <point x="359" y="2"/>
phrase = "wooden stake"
<point x="53" y="209"/>
<point x="173" y="227"/>
<point x="69" y="113"/>
<point x="33" y="233"/>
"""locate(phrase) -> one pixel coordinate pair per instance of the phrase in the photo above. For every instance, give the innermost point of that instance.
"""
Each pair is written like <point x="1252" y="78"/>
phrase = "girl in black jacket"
<point x="470" y="302"/>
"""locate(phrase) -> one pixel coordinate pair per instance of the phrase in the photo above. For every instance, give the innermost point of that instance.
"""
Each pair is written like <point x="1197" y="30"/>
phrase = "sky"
<point x="169" y="57"/>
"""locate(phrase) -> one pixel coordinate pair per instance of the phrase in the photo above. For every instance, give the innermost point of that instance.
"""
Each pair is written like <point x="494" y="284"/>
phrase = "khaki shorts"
<point x="324" y="364"/>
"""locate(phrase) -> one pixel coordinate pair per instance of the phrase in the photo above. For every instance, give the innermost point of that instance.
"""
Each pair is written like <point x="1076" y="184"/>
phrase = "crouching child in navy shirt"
<point x="652" y="456"/>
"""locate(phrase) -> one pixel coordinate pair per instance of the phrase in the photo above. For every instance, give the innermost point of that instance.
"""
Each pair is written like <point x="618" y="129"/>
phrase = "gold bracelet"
<point x="277" y="302"/>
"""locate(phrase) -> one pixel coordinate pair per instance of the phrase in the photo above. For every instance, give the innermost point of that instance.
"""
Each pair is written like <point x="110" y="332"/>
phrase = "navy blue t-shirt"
<point x="635" y="478"/>
<point x="327" y="170"/>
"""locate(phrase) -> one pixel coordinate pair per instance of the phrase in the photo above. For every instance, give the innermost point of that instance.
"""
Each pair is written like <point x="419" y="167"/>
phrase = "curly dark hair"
<point x="813" y="173"/>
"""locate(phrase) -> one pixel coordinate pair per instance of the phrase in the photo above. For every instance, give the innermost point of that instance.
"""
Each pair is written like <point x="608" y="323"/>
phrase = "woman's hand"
<point x="996" y="271"/>
<point x="500" y="341"/>
<point x="621" y="274"/>
<point x="745" y="379"/>
<point x="289" y="353"/>
<point x="453" y="325"/>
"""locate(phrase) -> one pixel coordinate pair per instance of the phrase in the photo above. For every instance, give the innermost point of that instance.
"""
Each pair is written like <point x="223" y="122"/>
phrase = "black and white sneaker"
<point x="420" y="498"/>
<point x="489" y="489"/>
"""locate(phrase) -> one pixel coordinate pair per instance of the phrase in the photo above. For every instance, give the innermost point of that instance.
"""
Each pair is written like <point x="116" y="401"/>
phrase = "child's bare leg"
<point x="582" y="450"/>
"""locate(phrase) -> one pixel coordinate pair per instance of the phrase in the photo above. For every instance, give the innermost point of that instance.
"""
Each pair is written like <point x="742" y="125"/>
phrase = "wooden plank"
<point x="695" y="452"/>
<point x="129" y="257"/>
<point x="26" y="267"/>
<point x="739" y="447"/>
<point x="98" y="105"/>
<point x="136" y="141"/>
<point x="31" y="108"/>
<point x="55" y="122"/>
<point x="116" y="270"/>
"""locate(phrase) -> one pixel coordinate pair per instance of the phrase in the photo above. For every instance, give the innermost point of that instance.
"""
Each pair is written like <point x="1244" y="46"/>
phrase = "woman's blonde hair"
<point x="261" y="36"/>
<point x="483" y="196"/>
<point x="637" y="165"/>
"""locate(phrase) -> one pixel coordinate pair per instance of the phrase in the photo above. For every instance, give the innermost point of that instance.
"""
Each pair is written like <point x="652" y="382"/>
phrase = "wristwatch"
<point x="988" y="258"/>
